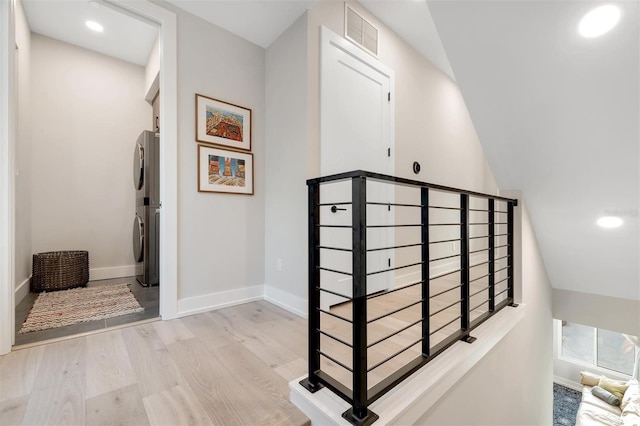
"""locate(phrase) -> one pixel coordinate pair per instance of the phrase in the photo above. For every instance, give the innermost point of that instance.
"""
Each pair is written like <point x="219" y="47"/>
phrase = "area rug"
<point x="565" y="405"/>
<point x="66" y="307"/>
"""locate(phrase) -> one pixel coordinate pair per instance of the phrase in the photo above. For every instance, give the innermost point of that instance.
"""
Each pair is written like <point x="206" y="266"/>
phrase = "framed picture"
<point x="221" y="170"/>
<point x="222" y="123"/>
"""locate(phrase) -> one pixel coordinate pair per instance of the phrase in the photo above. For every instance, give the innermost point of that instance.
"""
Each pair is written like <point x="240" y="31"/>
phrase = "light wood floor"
<point x="410" y="336"/>
<point x="228" y="367"/>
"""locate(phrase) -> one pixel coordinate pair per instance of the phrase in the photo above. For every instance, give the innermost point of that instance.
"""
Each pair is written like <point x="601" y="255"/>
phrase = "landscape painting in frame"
<point x="222" y="123"/>
<point x="221" y="170"/>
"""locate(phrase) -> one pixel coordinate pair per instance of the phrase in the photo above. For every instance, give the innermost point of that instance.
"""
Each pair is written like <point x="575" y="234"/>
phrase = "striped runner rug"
<point x="66" y="307"/>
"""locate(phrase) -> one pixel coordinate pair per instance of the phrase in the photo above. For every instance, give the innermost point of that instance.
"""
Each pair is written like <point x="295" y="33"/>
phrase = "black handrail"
<point x="405" y="182"/>
<point x="359" y="395"/>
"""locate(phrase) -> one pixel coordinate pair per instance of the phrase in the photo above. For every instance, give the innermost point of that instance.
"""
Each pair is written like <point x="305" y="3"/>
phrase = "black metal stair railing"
<point x="363" y="342"/>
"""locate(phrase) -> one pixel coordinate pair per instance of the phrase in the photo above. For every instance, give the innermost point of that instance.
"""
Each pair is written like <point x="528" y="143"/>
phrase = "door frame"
<point x="330" y="40"/>
<point x="7" y="181"/>
<point x="166" y="21"/>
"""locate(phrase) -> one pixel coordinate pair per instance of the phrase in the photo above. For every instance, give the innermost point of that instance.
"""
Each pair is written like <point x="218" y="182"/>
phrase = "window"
<point x="598" y="347"/>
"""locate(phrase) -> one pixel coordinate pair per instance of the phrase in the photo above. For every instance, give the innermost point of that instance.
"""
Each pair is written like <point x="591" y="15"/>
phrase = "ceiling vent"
<point x="360" y="31"/>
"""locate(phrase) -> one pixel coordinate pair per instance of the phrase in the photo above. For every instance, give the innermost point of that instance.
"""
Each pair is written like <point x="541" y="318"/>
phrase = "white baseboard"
<point x="444" y="268"/>
<point x="567" y="383"/>
<point x="406" y="279"/>
<point x="21" y="291"/>
<point x="287" y="301"/>
<point x="223" y="299"/>
<point x="415" y="276"/>
<point x="96" y="274"/>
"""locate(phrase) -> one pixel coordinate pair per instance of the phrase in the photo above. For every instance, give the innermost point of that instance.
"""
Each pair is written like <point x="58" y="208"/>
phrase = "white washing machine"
<point x="146" y="225"/>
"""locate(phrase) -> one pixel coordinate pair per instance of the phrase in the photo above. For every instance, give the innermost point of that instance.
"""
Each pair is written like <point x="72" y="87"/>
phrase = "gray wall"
<point x="432" y="126"/>
<point x="285" y="167"/>
<point x="512" y="384"/>
<point x="23" y="156"/>
<point x="220" y="236"/>
<point x="87" y="110"/>
<point x="610" y="313"/>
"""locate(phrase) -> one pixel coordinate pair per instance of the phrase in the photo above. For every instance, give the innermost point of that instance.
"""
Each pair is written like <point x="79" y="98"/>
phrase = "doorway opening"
<point x="165" y="298"/>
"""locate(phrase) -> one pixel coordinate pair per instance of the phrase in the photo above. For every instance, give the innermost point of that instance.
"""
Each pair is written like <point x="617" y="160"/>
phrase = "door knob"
<point x="334" y="209"/>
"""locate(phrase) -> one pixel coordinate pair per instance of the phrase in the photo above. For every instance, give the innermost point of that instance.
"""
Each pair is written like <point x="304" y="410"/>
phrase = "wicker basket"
<point x="59" y="270"/>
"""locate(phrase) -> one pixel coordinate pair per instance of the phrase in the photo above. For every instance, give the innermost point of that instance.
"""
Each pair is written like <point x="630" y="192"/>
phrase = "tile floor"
<point x="147" y="296"/>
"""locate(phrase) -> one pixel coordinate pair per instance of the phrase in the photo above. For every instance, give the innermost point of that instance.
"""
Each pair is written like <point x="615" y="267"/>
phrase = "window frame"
<point x="592" y="367"/>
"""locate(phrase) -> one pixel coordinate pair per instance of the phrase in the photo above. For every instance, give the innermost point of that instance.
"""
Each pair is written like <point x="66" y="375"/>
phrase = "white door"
<point x="356" y="133"/>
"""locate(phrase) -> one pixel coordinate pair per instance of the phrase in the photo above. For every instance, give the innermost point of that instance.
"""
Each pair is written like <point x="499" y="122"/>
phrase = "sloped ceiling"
<point x="557" y="114"/>
<point x="259" y="21"/>
<point x="124" y="36"/>
<point x="412" y="21"/>
<point x="558" y="117"/>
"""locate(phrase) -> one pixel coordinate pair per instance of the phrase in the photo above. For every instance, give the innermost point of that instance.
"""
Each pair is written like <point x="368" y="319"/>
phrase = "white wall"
<point x="432" y="126"/>
<point x="567" y="372"/>
<point x="7" y="129"/>
<point x="152" y="72"/>
<point x="220" y="236"/>
<point x="285" y="167"/>
<point x="512" y="384"/>
<point x="23" y="157"/>
<point x="87" y="110"/>
<point x="609" y="313"/>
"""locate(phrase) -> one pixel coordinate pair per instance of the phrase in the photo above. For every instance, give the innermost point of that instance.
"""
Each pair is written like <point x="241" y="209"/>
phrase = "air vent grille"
<point x="360" y="31"/>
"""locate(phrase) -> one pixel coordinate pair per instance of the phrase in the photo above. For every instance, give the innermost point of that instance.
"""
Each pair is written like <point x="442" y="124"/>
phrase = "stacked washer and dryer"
<point x="146" y="226"/>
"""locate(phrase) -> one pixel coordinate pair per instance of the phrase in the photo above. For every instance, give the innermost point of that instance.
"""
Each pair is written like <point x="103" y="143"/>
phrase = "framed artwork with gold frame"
<point x="222" y="170"/>
<point x="224" y="124"/>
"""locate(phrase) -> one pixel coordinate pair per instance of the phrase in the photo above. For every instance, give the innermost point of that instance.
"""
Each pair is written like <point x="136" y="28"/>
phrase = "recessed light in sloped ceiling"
<point x="94" y="26"/>
<point x="610" y="222"/>
<point x="599" y="21"/>
<point x="124" y="37"/>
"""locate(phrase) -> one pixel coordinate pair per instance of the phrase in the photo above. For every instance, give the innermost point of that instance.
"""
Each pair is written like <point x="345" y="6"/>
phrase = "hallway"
<point x="230" y="366"/>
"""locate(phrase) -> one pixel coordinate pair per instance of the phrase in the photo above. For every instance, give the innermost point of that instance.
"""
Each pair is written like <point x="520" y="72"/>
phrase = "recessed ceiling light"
<point x="599" y="21"/>
<point x="610" y="221"/>
<point x="93" y="25"/>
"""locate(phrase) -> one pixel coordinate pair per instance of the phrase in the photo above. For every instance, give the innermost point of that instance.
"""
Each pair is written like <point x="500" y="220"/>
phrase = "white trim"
<point x="287" y="301"/>
<point x="329" y="42"/>
<point x="153" y="89"/>
<point x="594" y="368"/>
<point x="406" y="279"/>
<point x="96" y="274"/>
<point x="168" y="149"/>
<point x="408" y="401"/>
<point x="444" y="268"/>
<point x="7" y="316"/>
<point x="21" y="292"/>
<point x="169" y="161"/>
<point x="567" y="383"/>
<point x="223" y="299"/>
<point x="581" y="364"/>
